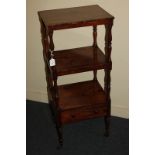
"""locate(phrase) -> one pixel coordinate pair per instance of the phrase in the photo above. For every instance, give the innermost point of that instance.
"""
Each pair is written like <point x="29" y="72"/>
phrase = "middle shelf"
<point x="79" y="60"/>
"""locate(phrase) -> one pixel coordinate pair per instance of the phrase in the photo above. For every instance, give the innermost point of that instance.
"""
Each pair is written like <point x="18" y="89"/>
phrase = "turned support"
<point x="51" y="77"/>
<point x="56" y="97"/>
<point x="95" y="52"/>
<point x="45" y="44"/>
<point x="108" y="39"/>
<point x="55" y="77"/>
<point x="51" y="44"/>
<point x="107" y="78"/>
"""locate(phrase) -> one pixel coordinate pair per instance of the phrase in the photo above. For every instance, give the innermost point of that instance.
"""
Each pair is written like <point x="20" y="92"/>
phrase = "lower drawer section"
<point x="82" y="114"/>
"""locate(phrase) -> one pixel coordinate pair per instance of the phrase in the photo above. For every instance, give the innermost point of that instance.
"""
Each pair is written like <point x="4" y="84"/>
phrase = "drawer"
<point x="82" y="114"/>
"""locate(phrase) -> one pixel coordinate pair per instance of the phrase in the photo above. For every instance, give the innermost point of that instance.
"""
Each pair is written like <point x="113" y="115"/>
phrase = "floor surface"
<point x="83" y="138"/>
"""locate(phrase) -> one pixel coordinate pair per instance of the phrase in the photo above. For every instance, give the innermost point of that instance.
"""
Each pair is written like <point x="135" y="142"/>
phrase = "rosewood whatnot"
<point x="82" y="100"/>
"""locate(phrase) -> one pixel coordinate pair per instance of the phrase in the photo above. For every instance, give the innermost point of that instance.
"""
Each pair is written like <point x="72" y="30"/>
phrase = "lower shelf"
<point x="81" y="101"/>
<point x="84" y="113"/>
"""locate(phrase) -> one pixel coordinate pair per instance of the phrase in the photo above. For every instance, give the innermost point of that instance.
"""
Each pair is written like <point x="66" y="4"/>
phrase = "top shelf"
<point x="75" y="17"/>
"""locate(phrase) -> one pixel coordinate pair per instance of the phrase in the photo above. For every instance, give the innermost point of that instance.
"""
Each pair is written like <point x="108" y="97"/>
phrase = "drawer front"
<point x="82" y="114"/>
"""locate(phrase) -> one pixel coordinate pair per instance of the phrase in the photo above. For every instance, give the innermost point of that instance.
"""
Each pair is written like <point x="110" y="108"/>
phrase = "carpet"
<point x="82" y="138"/>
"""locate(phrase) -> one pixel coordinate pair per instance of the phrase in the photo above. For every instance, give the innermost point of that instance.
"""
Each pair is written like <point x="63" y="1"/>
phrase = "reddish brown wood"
<point x="107" y="79"/>
<point x="56" y="93"/>
<point x="76" y="95"/>
<point x="82" y="100"/>
<point x="75" y="17"/>
<point x="51" y="43"/>
<point x="84" y="113"/>
<point x="94" y="36"/>
<point x="51" y="78"/>
<point x="95" y="53"/>
<point x="79" y="60"/>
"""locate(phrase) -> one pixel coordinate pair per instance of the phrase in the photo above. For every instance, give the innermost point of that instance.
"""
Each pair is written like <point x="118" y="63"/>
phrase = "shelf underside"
<point x="81" y="101"/>
<point x="79" y="60"/>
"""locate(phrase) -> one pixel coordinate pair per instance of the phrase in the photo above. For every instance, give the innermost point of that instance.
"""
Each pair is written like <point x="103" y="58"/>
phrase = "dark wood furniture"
<point x="83" y="100"/>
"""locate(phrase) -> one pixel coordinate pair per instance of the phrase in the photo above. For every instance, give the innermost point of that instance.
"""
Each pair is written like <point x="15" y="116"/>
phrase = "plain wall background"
<point x="65" y="39"/>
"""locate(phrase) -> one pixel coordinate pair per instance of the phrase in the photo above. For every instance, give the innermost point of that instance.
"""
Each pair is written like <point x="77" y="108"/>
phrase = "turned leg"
<point x="56" y="96"/>
<point x="108" y="102"/>
<point x="107" y="78"/>
<point x="60" y="135"/>
<point x="58" y="121"/>
<point x="51" y="78"/>
<point x="107" y="125"/>
<point x="95" y="52"/>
